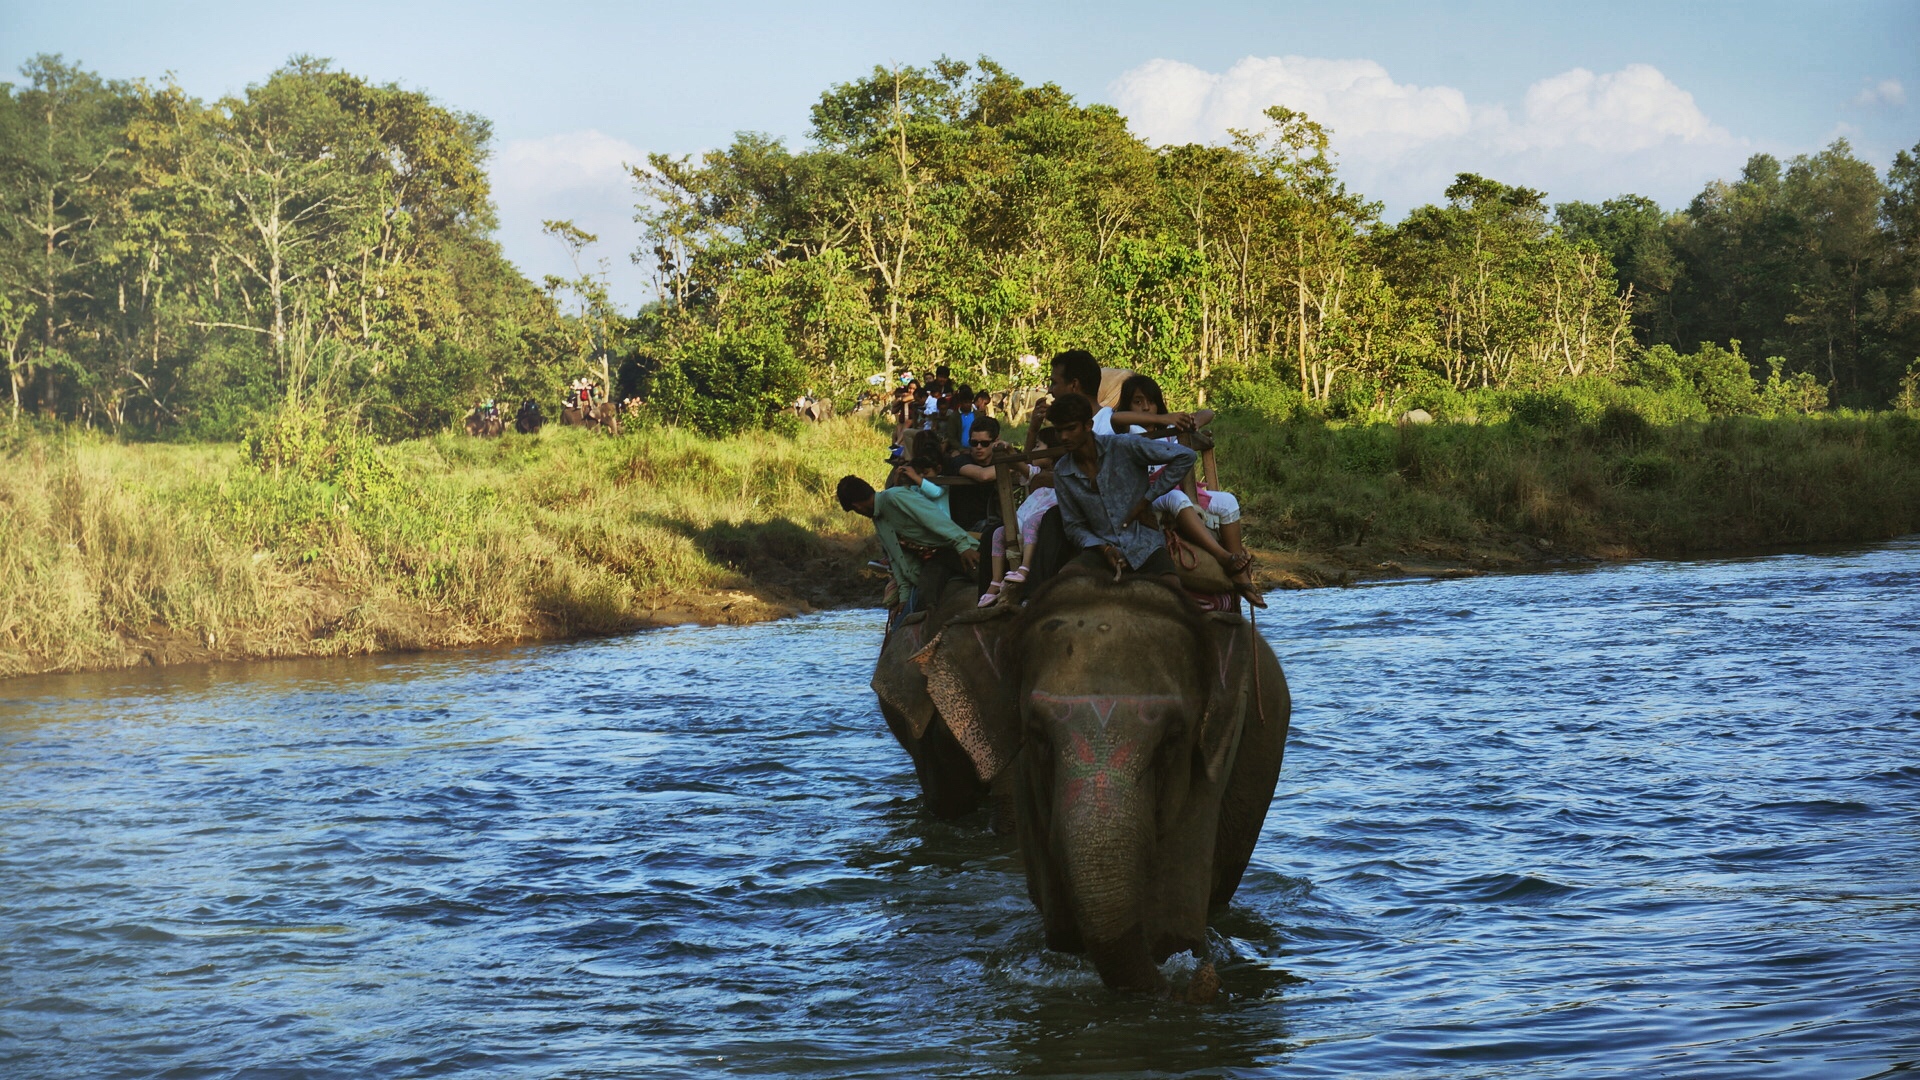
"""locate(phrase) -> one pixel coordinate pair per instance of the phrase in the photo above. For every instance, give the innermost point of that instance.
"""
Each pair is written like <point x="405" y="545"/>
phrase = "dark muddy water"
<point x="1650" y="820"/>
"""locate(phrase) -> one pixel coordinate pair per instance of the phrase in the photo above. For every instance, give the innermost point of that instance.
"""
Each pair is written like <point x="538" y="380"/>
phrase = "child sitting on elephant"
<point x="1040" y="499"/>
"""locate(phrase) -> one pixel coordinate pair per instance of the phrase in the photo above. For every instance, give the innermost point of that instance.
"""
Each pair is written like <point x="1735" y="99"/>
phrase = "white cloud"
<point x="581" y="176"/>
<point x="1883" y="92"/>
<point x="1578" y="134"/>
<point x="1635" y="108"/>
<point x="1171" y="102"/>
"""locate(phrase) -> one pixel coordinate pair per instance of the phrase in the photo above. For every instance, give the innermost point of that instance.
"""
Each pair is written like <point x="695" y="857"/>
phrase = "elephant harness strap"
<point x="1187" y="557"/>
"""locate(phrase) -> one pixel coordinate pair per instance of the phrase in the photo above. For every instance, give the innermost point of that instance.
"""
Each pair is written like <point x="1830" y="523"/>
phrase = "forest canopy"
<point x="177" y="267"/>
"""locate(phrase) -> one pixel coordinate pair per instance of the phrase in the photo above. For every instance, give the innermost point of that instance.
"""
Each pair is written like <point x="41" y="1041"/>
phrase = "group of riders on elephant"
<point x="582" y="407"/>
<point x="1129" y="737"/>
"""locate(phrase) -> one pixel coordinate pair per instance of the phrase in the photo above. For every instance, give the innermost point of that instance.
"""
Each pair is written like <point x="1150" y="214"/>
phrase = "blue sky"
<point x="1585" y="100"/>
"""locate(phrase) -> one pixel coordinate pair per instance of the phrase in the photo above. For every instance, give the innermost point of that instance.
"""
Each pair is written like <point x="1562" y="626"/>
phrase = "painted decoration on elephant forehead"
<point x="1092" y="764"/>
<point x="1102" y="706"/>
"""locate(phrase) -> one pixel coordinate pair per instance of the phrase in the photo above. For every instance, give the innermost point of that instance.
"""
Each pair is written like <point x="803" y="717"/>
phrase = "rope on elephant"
<point x="1253" y="641"/>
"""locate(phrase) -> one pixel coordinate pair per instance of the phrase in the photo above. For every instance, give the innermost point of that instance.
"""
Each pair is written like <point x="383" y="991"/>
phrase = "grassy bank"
<point x="126" y="554"/>
<point x="310" y="543"/>
<point x="1332" y="501"/>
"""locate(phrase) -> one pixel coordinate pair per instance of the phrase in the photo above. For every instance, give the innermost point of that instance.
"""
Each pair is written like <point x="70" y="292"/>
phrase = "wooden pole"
<point x="1190" y="483"/>
<point x="1003" y="481"/>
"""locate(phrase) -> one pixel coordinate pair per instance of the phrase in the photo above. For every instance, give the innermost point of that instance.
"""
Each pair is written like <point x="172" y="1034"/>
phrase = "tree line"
<point x="954" y="214"/>
<point x="172" y="265"/>
<point x="169" y="264"/>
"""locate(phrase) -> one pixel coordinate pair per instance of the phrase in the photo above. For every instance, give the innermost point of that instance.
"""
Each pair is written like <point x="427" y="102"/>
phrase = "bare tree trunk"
<point x="1300" y="308"/>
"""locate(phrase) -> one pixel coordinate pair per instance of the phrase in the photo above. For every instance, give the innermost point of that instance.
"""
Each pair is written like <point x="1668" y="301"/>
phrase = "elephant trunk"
<point x="1105" y="836"/>
<point x="1104" y="822"/>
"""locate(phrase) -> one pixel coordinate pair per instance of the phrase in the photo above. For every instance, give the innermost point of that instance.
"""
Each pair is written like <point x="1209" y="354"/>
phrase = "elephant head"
<point x="947" y="777"/>
<point x="1144" y="741"/>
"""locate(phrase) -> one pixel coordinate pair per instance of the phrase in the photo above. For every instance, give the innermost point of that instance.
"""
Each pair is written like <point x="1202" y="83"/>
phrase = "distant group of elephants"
<point x="485" y="420"/>
<point x="1131" y="742"/>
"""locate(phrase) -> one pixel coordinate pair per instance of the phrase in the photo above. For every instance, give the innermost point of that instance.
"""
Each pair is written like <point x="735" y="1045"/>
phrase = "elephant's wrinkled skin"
<point x="1143" y="743"/>
<point x="948" y="782"/>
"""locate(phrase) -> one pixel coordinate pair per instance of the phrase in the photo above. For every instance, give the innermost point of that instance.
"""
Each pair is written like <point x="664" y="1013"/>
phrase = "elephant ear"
<point x="1229" y="689"/>
<point x="898" y="681"/>
<point x="973" y="680"/>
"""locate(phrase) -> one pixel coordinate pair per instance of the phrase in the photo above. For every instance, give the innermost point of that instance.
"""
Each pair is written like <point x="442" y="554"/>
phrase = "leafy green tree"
<point x="1513" y="303"/>
<point x="1794" y="258"/>
<point x="719" y="386"/>
<point x="1635" y="235"/>
<point x="62" y="155"/>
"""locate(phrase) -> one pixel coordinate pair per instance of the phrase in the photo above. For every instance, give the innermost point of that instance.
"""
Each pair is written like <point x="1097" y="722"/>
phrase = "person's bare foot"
<point x="1240" y="571"/>
<point x="1245" y="587"/>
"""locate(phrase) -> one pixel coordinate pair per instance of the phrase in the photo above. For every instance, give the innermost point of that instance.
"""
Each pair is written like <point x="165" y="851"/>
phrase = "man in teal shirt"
<point x="925" y="549"/>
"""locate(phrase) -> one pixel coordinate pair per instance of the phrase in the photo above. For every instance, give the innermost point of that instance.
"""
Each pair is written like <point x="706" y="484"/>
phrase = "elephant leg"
<point x="948" y="784"/>
<point x="948" y="781"/>
<point x="1001" y="798"/>
<point x="1251" y="783"/>
<point x="1124" y="963"/>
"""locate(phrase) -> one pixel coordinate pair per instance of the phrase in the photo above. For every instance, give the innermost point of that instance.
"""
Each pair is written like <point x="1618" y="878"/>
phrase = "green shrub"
<point x="722" y="386"/>
<point x="1799" y="395"/>
<point x="1648" y="469"/>
<point x="1369" y="449"/>
<point x="1442" y="403"/>
<point x="1720" y="378"/>
<point x="426" y="390"/>
<point x="1908" y="396"/>
<point x="1622" y="424"/>
<point x="1549" y="410"/>
<point x="308" y="445"/>
<point x="1271" y="401"/>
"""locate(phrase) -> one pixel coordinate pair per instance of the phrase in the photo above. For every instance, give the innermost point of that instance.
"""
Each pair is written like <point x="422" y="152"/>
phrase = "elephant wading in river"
<point x="948" y="782"/>
<point x="1142" y="741"/>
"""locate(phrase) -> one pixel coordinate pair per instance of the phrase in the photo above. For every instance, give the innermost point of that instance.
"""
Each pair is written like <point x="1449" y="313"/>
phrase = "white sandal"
<point x="991" y="596"/>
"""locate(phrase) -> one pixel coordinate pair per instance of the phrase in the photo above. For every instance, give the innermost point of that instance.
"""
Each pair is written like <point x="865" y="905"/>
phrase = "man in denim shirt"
<point x="1104" y="491"/>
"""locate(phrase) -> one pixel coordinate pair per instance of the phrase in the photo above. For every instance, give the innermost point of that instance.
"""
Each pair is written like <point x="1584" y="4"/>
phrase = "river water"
<point x="1659" y="819"/>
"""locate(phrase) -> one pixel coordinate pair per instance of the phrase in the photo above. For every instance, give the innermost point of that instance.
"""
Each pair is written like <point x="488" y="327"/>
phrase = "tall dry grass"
<point x="1619" y="485"/>
<point x="114" y="554"/>
<point x="120" y="554"/>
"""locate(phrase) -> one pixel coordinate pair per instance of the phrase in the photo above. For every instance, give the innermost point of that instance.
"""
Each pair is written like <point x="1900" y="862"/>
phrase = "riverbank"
<point x="1328" y="504"/>
<point x="308" y="543"/>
